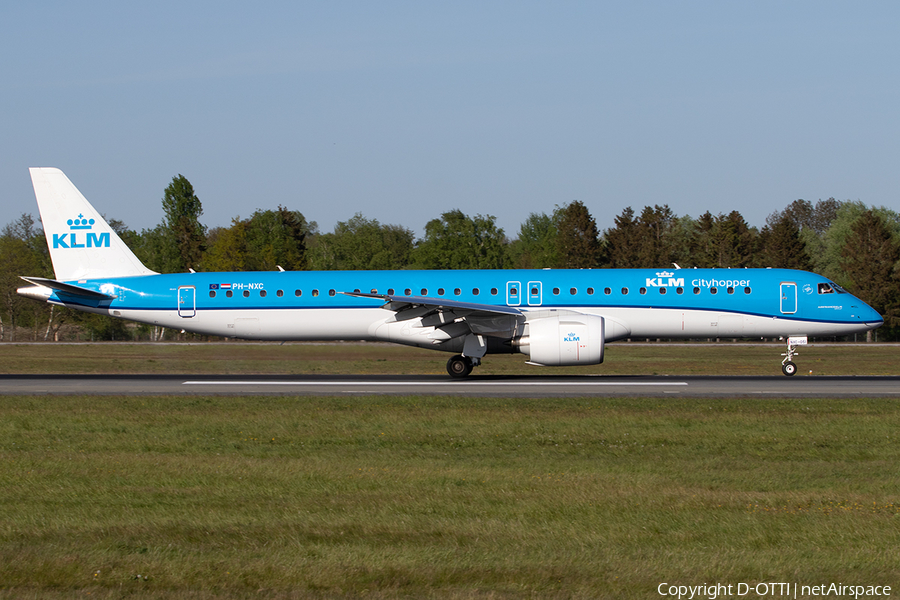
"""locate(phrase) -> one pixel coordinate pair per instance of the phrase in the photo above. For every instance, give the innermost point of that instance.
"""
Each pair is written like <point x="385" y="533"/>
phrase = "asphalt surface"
<point x="502" y="386"/>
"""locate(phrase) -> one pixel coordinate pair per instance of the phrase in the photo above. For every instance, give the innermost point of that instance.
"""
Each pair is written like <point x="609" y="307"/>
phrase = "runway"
<point x="500" y="386"/>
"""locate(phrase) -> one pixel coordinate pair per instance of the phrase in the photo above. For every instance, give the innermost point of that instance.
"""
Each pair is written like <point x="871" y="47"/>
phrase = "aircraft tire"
<point x="789" y="368"/>
<point x="459" y="367"/>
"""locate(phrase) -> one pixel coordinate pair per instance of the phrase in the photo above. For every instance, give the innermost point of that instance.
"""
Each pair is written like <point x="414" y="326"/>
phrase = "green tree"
<point x="577" y="243"/>
<point x="226" y="248"/>
<point x="871" y="259"/>
<point x="363" y="244"/>
<point x="813" y="221"/>
<point x="622" y="241"/>
<point x="653" y="237"/>
<point x="779" y="245"/>
<point x="816" y="218"/>
<point x="704" y="253"/>
<point x="183" y="235"/>
<point x="829" y="257"/>
<point x="267" y="240"/>
<point x="536" y="246"/>
<point x="456" y="241"/>
<point x="276" y="238"/>
<point x="722" y="241"/>
<point x="23" y="251"/>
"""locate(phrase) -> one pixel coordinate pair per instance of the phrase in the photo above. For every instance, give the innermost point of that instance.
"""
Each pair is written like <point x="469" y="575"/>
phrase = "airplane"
<point x="556" y="317"/>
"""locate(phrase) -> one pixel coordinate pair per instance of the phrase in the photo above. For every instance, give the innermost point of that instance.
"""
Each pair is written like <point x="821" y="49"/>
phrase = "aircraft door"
<point x="187" y="301"/>
<point x="788" y="298"/>
<point x="513" y="293"/>
<point x="534" y="293"/>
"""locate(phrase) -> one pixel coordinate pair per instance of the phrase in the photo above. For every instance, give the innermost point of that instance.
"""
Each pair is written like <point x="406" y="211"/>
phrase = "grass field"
<point x="342" y="358"/>
<point x="440" y="497"/>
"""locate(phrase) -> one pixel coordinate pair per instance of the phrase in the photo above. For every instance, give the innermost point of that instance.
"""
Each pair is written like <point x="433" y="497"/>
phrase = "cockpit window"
<point x="824" y="288"/>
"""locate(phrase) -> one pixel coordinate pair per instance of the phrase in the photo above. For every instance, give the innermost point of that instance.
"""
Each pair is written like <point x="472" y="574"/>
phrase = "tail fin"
<point x="82" y="244"/>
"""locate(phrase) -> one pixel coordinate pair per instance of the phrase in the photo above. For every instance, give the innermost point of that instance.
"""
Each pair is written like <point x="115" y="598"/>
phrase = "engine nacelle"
<point x="564" y="340"/>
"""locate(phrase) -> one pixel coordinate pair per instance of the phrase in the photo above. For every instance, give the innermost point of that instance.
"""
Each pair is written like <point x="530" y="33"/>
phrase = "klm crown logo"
<point x="80" y="223"/>
<point x="76" y="239"/>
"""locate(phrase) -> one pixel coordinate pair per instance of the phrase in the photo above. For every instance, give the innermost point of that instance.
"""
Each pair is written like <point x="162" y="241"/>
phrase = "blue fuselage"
<point x="636" y="302"/>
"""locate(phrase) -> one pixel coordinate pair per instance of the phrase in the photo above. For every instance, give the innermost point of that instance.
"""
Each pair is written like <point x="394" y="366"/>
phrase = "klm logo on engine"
<point x="571" y="337"/>
<point x="665" y="279"/>
<point x="80" y="235"/>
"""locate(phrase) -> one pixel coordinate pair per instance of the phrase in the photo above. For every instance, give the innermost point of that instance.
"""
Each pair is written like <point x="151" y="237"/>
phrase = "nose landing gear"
<point x="787" y="365"/>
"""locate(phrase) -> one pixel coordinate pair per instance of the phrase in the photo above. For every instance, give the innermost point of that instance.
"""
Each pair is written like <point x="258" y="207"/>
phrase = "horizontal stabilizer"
<point x="68" y="288"/>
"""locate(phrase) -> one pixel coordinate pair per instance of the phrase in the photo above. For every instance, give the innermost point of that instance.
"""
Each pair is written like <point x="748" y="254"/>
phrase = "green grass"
<point x="222" y="497"/>
<point x="342" y="358"/>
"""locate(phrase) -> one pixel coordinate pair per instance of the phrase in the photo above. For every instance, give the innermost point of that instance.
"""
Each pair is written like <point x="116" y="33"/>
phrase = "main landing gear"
<point x="460" y="366"/>
<point x="787" y="365"/>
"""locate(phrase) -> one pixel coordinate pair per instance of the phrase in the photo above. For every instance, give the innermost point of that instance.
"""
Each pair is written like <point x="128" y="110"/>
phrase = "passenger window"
<point x="573" y="291"/>
<point x="279" y="293"/>
<point x="607" y="291"/>
<point x="331" y="292"/>
<point x="662" y="291"/>
<point x="440" y="291"/>
<point x="374" y="291"/>
<point x="229" y="294"/>
<point x="643" y="291"/>
<point x="696" y="290"/>
<point x="457" y="292"/>
<point x="624" y="291"/>
<point x="212" y="293"/>
<point x="534" y="291"/>
<point x="746" y="290"/>
<point x="590" y="291"/>
<point x="262" y="293"/>
<point x="424" y="291"/>
<point x="513" y="291"/>
<point x="390" y="291"/>
<point x="475" y="291"/>
<point x="407" y="292"/>
<point x="494" y="291"/>
<point x="713" y="291"/>
<point x="298" y="293"/>
<point x="246" y="293"/>
<point x="315" y="293"/>
<point x="679" y="290"/>
<point x="356" y="291"/>
<point x="556" y="291"/>
<point x="730" y="290"/>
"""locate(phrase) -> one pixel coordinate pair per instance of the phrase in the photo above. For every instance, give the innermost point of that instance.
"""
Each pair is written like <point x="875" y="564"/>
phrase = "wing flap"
<point x="451" y="318"/>
<point x="400" y="303"/>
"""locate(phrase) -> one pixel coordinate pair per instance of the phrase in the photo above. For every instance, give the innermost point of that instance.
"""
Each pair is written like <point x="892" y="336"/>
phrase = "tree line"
<point x="856" y="246"/>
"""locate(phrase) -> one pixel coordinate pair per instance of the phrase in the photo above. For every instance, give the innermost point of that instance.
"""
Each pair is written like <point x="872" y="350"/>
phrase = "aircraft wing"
<point x="452" y="319"/>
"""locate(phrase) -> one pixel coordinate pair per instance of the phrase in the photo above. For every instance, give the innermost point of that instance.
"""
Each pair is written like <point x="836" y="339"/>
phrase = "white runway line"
<point x="441" y="383"/>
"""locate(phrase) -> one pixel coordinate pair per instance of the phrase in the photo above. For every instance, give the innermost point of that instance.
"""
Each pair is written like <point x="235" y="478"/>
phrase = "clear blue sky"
<point x="404" y="110"/>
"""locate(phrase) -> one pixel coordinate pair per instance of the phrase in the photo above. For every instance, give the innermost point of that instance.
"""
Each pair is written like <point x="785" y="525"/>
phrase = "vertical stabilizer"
<point x="82" y="244"/>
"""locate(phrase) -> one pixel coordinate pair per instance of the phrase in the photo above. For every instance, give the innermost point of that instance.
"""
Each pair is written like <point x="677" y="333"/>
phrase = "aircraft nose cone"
<point x="870" y="316"/>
